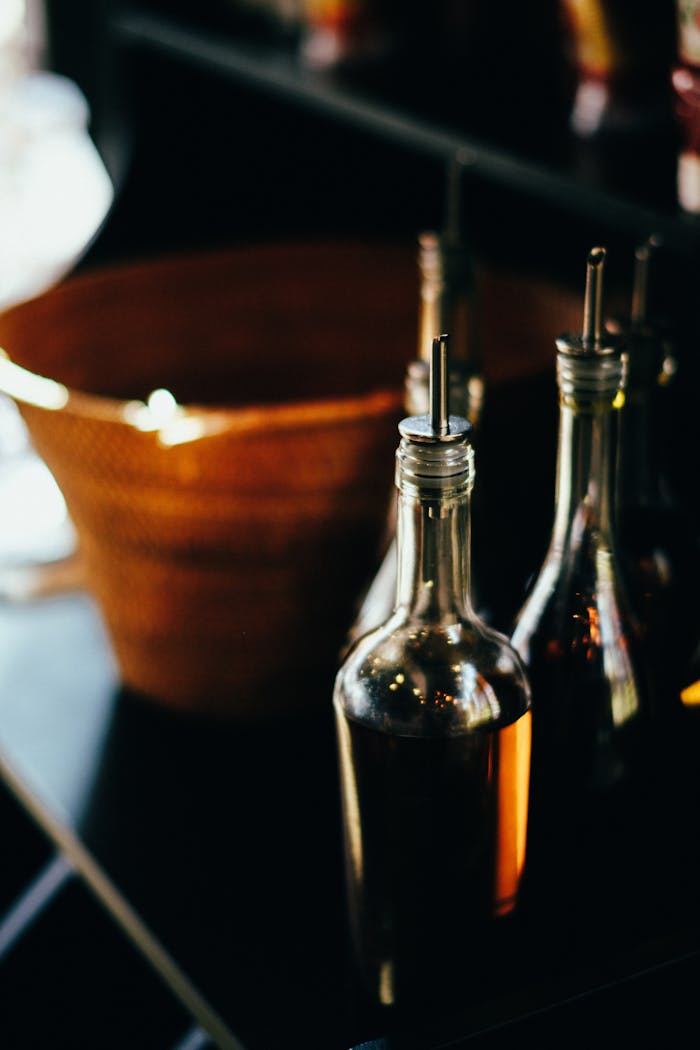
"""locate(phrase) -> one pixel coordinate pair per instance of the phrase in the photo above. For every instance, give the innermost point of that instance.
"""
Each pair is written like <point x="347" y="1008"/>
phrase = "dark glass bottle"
<point x="592" y="778"/>
<point x="658" y="545"/>
<point x="446" y="305"/>
<point x="433" y="724"/>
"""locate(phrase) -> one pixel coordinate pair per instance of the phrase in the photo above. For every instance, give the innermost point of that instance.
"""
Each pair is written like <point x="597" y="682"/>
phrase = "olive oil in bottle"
<point x="658" y="545"/>
<point x="433" y="723"/>
<point x="594" y="743"/>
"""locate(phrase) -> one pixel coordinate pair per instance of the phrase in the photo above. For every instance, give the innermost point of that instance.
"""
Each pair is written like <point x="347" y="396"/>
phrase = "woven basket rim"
<point x="214" y="417"/>
<point x="28" y="388"/>
<point x="164" y="263"/>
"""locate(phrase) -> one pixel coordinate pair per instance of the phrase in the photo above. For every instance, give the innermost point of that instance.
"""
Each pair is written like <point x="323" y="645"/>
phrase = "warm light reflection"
<point x="690" y="696"/>
<point x="162" y="406"/>
<point x="351" y="801"/>
<point x="30" y="388"/>
<point x="159" y="409"/>
<point x="593" y="625"/>
<point x="617" y="662"/>
<point x="386" y="982"/>
<point x="513" y="787"/>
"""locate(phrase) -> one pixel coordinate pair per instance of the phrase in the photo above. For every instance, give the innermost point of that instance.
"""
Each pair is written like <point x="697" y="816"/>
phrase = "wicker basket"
<point x="225" y="546"/>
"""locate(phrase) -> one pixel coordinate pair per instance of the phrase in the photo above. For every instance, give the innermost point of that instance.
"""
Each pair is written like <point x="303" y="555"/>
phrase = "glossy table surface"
<point x="224" y="842"/>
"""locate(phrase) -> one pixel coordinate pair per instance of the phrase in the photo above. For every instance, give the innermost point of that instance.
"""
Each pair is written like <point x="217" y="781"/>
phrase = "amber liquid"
<point x="435" y="838"/>
<point x="595" y="807"/>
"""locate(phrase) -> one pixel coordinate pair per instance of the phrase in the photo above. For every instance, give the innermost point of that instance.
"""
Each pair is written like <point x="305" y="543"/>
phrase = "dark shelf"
<point x="627" y="183"/>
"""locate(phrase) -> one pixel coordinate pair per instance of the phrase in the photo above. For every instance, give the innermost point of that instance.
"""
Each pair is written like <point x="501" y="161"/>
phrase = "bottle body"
<point x="435" y="809"/>
<point x="662" y="564"/>
<point x="593" y="784"/>
<point x="658" y="547"/>
<point x="433" y="722"/>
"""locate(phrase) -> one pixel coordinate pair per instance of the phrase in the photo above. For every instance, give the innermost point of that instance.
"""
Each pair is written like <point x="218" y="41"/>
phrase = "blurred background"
<point x="233" y="120"/>
<point x="536" y="133"/>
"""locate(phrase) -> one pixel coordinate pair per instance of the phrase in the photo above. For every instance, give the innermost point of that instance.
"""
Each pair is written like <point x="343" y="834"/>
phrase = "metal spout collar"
<point x="431" y="469"/>
<point x="435" y="456"/>
<point x="591" y="377"/>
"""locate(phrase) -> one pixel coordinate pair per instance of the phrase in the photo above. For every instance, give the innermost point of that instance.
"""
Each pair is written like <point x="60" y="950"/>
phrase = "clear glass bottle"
<point x="446" y="305"/>
<point x="592" y="776"/>
<point x="658" y="545"/>
<point x="433" y="725"/>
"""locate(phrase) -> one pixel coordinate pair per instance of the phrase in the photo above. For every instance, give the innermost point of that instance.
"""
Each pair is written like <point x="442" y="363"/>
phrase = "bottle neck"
<point x="586" y="474"/>
<point x="446" y="299"/>
<point x="447" y="304"/>
<point x="433" y="582"/>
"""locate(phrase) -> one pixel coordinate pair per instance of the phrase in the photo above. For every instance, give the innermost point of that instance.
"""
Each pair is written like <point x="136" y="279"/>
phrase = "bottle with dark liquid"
<point x="592" y="776"/>
<point x="433" y="724"/>
<point x="446" y="305"/>
<point x="658" y="546"/>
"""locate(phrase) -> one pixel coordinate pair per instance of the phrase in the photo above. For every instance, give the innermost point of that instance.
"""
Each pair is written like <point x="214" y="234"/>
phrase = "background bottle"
<point x="447" y="304"/>
<point x="592" y="777"/>
<point x="433" y="723"/>
<point x="658" y="545"/>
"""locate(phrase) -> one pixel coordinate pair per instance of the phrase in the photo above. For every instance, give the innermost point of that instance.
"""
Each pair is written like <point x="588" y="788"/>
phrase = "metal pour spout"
<point x="640" y="288"/>
<point x="593" y="302"/>
<point x="439" y="387"/>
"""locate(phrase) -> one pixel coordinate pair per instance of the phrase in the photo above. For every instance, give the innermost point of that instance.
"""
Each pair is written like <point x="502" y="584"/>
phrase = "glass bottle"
<point x="591" y="779"/>
<point x="433" y="726"/>
<point x="658" y="546"/>
<point x="446" y="305"/>
<point x="447" y="292"/>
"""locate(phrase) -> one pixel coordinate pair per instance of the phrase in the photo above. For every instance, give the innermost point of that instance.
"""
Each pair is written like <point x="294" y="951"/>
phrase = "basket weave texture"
<point x="226" y="566"/>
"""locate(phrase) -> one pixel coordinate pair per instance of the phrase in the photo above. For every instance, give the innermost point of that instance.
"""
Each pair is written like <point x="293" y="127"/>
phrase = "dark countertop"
<point x="225" y="840"/>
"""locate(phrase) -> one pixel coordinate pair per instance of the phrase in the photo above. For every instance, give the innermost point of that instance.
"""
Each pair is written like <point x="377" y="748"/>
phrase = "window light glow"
<point x="12" y="14"/>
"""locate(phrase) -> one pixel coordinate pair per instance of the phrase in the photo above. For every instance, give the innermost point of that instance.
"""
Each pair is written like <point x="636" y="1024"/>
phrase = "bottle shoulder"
<point x="432" y="679"/>
<point x="577" y="634"/>
<point x="577" y="604"/>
